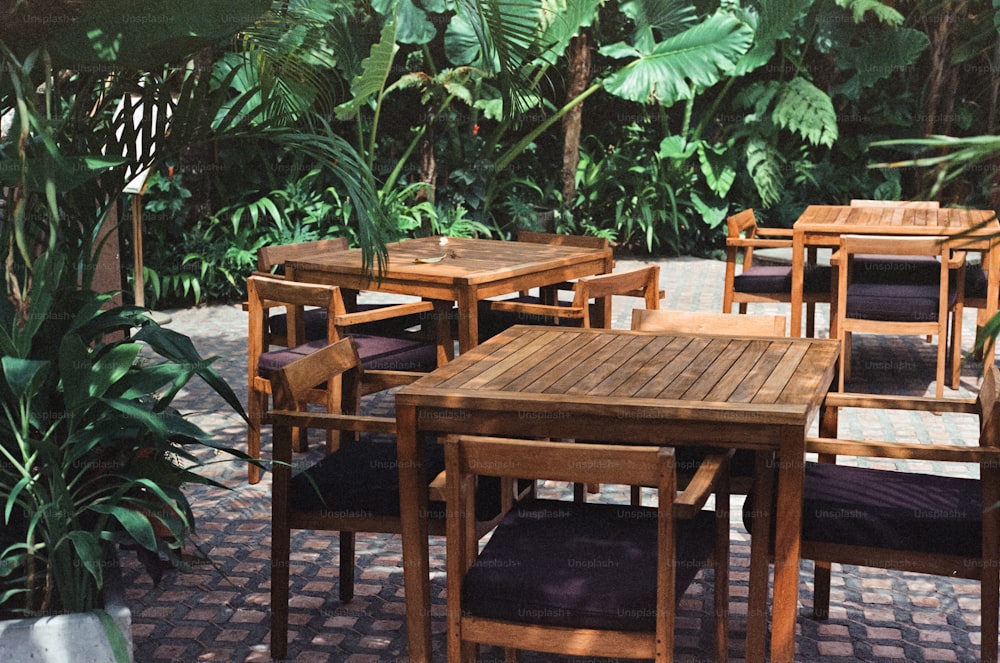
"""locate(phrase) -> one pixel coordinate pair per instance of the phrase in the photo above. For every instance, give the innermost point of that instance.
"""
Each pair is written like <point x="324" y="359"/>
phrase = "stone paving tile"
<point x="218" y="611"/>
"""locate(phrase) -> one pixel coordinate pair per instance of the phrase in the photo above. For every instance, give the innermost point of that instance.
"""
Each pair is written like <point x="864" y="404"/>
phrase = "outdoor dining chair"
<point x="920" y="522"/>
<point x="395" y="358"/>
<point x="271" y="261"/>
<point x="354" y="488"/>
<point x="498" y="315"/>
<point x="641" y="283"/>
<point x="749" y="283"/>
<point x="583" y="579"/>
<point x="900" y="307"/>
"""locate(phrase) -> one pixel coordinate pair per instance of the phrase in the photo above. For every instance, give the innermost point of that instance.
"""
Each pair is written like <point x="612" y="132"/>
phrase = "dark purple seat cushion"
<point x="493" y="322"/>
<point x="887" y="509"/>
<point x="877" y="268"/>
<point x="376" y="352"/>
<point x="898" y="302"/>
<point x="315" y="323"/>
<point x="765" y="279"/>
<point x="975" y="283"/>
<point x="361" y="478"/>
<point x="580" y="565"/>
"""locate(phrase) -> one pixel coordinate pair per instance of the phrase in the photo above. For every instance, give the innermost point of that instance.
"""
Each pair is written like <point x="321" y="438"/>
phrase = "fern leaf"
<point x="805" y="109"/>
<point x="764" y="165"/>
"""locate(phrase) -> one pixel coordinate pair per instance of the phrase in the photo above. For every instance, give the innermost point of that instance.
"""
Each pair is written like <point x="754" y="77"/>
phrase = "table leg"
<point x="442" y="332"/>
<point x="787" y="550"/>
<point x="414" y="531"/>
<point x="798" y="275"/>
<point x="468" y="319"/>
<point x="762" y="516"/>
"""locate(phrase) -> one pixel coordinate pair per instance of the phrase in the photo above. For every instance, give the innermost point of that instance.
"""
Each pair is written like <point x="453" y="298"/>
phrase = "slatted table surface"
<point x="461" y="270"/>
<point x="635" y="387"/>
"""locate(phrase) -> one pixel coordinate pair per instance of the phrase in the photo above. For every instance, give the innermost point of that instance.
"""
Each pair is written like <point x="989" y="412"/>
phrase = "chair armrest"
<point x="536" y="309"/>
<point x="332" y="421"/>
<point x="382" y="313"/>
<point x="701" y="486"/>
<point x="775" y="232"/>
<point x="957" y="259"/>
<point x="914" y="403"/>
<point x="380" y="380"/>
<point x="758" y="243"/>
<point x="945" y="453"/>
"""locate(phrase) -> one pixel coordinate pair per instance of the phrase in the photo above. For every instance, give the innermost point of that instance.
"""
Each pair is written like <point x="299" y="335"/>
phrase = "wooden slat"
<point x="676" y="376"/>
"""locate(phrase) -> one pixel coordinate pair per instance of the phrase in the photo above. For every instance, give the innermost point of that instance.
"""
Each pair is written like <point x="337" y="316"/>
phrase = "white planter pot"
<point x="72" y="638"/>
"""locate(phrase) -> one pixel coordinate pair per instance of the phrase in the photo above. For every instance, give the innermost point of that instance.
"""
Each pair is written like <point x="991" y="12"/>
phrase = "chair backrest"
<point x="581" y="241"/>
<point x="905" y="204"/>
<point x="643" y="282"/>
<point x="265" y="293"/>
<point x="292" y="384"/>
<point x="699" y="322"/>
<point x="887" y="245"/>
<point x="742" y="224"/>
<point x="270" y="257"/>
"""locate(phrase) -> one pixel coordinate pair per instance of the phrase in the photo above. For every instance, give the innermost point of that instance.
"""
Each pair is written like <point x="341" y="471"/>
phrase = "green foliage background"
<point x="693" y="111"/>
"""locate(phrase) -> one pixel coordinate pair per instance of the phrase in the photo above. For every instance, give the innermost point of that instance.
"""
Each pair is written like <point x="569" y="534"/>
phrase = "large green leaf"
<point x="884" y="54"/>
<point x="679" y="67"/>
<point x="717" y="166"/>
<point x="805" y="109"/>
<point x="882" y="11"/>
<point x="375" y="71"/>
<point x="775" y="20"/>
<point x="661" y="18"/>
<point x="23" y="376"/>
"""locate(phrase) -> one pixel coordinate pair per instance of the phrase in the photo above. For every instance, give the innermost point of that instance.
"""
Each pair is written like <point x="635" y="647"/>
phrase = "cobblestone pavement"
<point x="218" y="610"/>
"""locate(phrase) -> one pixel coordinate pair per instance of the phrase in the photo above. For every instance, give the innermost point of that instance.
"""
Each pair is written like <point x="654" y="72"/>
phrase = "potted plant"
<point x="92" y="455"/>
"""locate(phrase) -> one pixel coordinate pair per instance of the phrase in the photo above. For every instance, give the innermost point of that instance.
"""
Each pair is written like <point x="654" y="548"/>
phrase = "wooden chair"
<point x="393" y="356"/>
<point x="914" y="522"/>
<point x="700" y="322"/>
<point x="585" y="579"/>
<point x="900" y="307"/>
<point x="896" y="269"/>
<point x="354" y="488"/>
<point x="495" y="319"/>
<point x="271" y="261"/>
<point x="767" y="284"/>
<point x="642" y="282"/>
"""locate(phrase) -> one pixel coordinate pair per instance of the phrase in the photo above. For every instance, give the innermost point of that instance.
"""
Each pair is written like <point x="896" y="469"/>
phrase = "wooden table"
<point x="635" y="387"/>
<point x="468" y="270"/>
<point x="822" y="226"/>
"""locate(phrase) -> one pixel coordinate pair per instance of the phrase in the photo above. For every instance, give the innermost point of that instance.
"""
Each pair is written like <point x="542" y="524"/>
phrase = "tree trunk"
<point x="578" y="57"/>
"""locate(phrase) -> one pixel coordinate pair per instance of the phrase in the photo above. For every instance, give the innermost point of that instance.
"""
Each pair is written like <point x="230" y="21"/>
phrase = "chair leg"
<point x="346" y="567"/>
<point x="256" y="404"/>
<point x="280" y="553"/>
<point x="956" y="350"/>
<point x="821" y="590"/>
<point x="990" y="620"/>
<point x="721" y="576"/>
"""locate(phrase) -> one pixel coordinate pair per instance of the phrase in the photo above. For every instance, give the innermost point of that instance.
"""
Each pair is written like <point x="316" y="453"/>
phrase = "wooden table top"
<point x="463" y="261"/>
<point x="843" y="219"/>
<point x="625" y="374"/>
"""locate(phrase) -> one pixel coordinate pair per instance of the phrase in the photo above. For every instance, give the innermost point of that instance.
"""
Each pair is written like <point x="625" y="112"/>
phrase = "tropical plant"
<point x="93" y="456"/>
